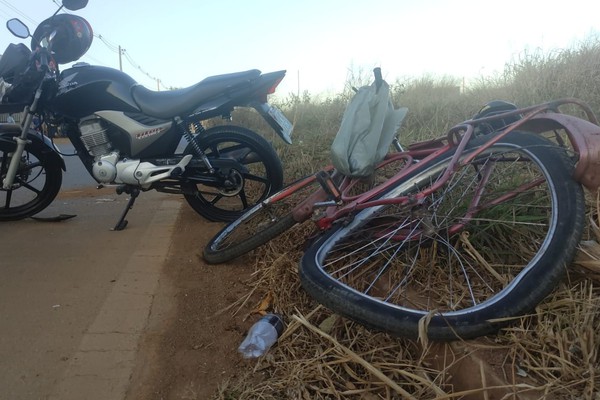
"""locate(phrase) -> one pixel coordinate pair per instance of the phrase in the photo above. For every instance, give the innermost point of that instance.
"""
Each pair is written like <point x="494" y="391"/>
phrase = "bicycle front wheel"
<point x="489" y="244"/>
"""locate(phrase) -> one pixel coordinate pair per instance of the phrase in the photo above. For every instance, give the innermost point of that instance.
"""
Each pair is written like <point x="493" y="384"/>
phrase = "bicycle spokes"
<point x="455" y="248"/>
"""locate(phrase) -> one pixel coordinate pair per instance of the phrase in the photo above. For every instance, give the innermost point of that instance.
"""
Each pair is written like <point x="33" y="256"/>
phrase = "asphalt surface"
<point x="75" y="296"/>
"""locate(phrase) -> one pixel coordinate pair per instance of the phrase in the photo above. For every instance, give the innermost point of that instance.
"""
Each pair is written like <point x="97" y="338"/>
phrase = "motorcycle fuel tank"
<point x="85" y="89"/>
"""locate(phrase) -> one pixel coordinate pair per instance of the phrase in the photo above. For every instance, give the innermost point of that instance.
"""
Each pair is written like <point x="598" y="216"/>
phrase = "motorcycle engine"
<point x="94" y="136"/>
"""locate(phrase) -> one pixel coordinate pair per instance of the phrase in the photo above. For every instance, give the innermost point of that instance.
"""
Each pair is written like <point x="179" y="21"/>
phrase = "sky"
<point x="319" y="42"/>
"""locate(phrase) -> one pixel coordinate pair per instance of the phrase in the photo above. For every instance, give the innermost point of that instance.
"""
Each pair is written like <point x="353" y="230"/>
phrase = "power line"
<point x="123" y="52"/>
<point x="5" y="15"/>
<point x="16" y="10"/>
<point x="95" y="60"/>
<point x="109" y="44"/>
<point x="139" y="67"/>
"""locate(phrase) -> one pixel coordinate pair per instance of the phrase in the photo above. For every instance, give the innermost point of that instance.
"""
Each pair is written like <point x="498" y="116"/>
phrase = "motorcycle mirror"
<point x="74" y="5"/>
<point x="18" y="28"/>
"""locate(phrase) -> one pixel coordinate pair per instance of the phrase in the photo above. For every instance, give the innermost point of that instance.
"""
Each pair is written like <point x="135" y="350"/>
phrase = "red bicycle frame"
<point x="583" y="135"/>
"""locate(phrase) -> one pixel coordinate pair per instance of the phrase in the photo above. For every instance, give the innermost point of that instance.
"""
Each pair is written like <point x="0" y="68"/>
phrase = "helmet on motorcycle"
<point x="495" y="107"/>
<point x="72" y="39"/>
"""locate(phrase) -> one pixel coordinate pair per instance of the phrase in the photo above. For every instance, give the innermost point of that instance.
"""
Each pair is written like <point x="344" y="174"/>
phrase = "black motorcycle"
<point x="125" y="134"/>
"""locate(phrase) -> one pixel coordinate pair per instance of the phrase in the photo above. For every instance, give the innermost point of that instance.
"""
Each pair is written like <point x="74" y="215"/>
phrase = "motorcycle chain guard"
<point x="136" y="173"/>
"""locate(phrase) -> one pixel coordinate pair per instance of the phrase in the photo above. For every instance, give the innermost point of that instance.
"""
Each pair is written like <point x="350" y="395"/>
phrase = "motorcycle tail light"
<point x="272" y="88"/>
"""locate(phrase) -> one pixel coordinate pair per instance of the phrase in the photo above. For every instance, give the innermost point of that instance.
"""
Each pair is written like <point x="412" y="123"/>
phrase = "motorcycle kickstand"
<point x="122" y="223"/>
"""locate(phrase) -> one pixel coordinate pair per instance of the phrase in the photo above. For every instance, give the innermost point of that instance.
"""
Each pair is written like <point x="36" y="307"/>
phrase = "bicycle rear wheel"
<point x="260" y="224"/>
<point x="491" y="243"/>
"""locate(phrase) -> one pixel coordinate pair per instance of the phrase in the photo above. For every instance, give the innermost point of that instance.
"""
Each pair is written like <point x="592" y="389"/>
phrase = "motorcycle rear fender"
<point x="584" y="137"/>
<point x="280" y="124"/>
<point x="265" y="85"/>
<point x="9" y="131"/>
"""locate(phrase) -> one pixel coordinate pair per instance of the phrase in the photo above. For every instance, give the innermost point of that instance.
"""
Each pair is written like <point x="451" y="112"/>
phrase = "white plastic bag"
<point x="367" y="130"/>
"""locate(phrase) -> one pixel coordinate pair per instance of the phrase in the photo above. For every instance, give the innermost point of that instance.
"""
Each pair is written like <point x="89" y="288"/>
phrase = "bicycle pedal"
<point x="329" y="186"/>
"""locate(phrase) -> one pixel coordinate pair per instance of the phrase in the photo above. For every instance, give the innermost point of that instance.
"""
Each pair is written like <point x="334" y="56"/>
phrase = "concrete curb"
<point x="103" y="365"/>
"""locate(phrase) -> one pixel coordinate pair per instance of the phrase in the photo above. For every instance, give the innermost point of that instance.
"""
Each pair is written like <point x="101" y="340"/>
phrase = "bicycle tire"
<point x="421" y="287"/>
<point x="218" y="256"/>
<point x="260" y="224"/>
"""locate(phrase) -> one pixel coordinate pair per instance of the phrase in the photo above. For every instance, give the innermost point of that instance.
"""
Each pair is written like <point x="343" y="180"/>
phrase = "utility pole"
<point x="120" y="59"/>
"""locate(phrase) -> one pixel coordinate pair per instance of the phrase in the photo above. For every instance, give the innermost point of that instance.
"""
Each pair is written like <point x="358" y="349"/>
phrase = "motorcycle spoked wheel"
<point x="262" y="173"/>
<point x="36" y="184"/>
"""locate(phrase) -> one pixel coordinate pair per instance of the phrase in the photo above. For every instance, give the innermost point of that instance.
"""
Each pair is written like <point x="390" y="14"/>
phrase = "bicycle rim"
<point x="257" y="226"/>
<point x="488" y="244"/>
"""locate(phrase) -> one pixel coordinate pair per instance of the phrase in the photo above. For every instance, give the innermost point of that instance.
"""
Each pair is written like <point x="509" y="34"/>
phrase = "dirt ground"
<point x="190" y="347"/>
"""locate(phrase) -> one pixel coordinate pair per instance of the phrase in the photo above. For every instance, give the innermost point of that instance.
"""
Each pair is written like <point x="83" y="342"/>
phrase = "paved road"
<point x="76" y="175"/>
<point x="75" y="296"/>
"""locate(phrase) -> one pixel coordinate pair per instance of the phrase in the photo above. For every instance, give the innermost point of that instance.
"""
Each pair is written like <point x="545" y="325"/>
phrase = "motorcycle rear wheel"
<point x="262" y="173"/>
<point x="36" y="184"/>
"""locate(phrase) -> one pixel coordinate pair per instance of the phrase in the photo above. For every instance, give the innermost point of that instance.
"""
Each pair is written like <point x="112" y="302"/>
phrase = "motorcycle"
<point x="126" y="135"/>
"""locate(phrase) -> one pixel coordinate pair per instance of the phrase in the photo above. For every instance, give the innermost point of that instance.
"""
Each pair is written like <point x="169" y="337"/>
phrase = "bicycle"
<point x="452" y="237"/>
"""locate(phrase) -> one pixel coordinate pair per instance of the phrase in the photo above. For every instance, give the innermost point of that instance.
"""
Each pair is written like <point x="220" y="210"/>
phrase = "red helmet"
<point x="72" y="39"/>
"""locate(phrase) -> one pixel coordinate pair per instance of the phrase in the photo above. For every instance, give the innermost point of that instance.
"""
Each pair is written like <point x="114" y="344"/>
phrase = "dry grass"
<point x="551" y="354"/>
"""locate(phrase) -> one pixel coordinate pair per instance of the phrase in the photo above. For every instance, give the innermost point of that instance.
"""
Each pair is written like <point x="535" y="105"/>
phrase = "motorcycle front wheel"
<point x="260" y="173"/>
<point x="36" y="183"/>
<point x="484" y="247"/>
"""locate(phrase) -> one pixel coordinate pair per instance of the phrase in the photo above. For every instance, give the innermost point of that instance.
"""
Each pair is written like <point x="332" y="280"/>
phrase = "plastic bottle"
<point x="261" y="336"/>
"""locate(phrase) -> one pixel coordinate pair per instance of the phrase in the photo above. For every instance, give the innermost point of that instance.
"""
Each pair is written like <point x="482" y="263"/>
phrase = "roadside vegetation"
<point x="552" y="353"/>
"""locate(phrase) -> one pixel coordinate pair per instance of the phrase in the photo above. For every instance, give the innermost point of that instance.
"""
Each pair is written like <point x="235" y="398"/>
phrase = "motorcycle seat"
<point x="178" y="102"/>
